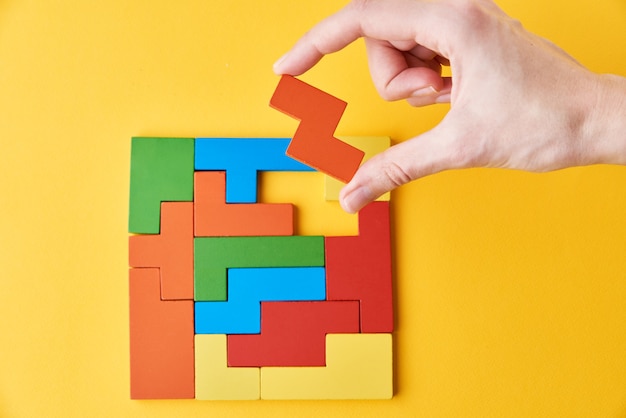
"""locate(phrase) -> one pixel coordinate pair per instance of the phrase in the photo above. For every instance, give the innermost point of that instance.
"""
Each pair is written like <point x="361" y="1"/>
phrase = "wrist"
<point x="604" y="130"/>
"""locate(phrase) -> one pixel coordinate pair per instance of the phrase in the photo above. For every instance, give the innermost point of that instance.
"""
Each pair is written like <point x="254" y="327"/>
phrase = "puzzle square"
<point x="161" y="170"/>
<point x="213" y="256"/>
<point x="358" y="366"/>
<point x="225" y="302"/>
<point x="242" y="158"/>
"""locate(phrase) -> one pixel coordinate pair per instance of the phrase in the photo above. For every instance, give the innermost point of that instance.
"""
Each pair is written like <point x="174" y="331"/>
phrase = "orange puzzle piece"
<point x="214" y="217"/>
<point x="314" y="143"/>
<point x="161" y="341"/>
<point x="171" y="250"/>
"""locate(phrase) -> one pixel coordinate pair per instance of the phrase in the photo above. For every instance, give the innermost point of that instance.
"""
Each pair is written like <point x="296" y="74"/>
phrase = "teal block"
<point x="161" y="170"/>
<point x="214" y="255"/>
<point x="248" y="287"/>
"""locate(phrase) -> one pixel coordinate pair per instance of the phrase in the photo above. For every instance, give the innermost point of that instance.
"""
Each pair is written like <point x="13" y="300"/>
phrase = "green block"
<point x="214" y="255"/>
<point x="161" y="169"/>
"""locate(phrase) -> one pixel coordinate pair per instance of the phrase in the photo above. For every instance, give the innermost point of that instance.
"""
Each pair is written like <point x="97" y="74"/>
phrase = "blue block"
<point x="242" y="159"/>
<point x="248" y="287"/>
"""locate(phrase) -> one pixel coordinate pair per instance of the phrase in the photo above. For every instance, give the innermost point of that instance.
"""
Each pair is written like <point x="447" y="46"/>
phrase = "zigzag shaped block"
<point x="242" y="158"/>
<point x="359" y="268"/>
<point x="213" y="256"/>
<point x="314" y="143"/>
<point x="161" y="170"/>
<point x="358" y="366"/>
<point x="214" y="217"/>
<point x="214" y="380"/>
<point x="161" y="341"/>
<point x="241" y="314"/>
<point x="293" y="334"/>
<point x="171" y="250"/>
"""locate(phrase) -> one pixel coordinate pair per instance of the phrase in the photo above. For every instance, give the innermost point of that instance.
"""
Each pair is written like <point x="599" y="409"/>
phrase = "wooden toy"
<point x="214" y="217"/>
<point x="242" y="158"/>
<point x="358" y="366"/>
<point x="216" y="381"/>
<point x="225" y="302"/>
<point x="161" y="170"/>
<point x="314" y="143"/>
<point x="161" y="341"/>
<point x="359" y="268"/>
<point x="171" y="251"/>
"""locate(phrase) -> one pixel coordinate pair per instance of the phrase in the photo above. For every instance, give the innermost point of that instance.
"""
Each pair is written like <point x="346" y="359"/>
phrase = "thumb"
<point x="426" y="154"/>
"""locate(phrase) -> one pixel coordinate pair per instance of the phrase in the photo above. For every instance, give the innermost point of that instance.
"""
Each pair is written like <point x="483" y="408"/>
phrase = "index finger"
<point x="399" y="20"/>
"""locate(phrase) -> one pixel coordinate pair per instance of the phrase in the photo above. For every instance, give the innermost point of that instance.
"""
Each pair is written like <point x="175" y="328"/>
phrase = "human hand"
<point x="517" y="100"/>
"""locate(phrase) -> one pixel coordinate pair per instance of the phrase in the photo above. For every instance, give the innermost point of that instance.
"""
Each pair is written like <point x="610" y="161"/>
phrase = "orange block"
<point x="171" y="250"/>
<point x="161" y="341"/>
<point x="214" y="217"/>
<point x="314" y="143"/>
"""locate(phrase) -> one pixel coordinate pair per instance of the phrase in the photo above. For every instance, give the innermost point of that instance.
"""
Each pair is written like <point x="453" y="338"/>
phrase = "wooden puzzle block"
<point x="214" y="380"/>
<point x="293" y="334"/>
<point x="171" y="250"/>
<point x="161" y="170"/>
<point x="242" y="158"/>
<point x="247" y="288"/>
<point x="359" y="268"/>
<point x="370" y="145"/>
<point x="213" y="255"/>
<point x="161" y="341"/>
<point x="214" y="217"/>
<point x="314" y="143"/>
<point x="358" y="366"/>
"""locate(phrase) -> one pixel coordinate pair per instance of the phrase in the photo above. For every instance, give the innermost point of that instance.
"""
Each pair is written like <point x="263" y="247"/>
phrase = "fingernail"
<point x="355" y="199"/>
<point x="278" y="63"/>
<point x="426" y="91"/>
<point x="444" y="98"/>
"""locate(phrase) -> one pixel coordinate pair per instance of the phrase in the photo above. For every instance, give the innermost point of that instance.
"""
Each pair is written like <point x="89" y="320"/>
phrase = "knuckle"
<point x="395" y="174"/>
<point x="360" y="5"/>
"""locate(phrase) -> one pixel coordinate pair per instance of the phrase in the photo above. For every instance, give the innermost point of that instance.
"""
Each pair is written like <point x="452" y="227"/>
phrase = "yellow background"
<point x="510" y="287"/>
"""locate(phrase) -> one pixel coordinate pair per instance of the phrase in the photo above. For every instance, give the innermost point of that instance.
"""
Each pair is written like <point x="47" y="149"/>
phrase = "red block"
<point x="214" y="217"/>
<point x="161" y="341"/>
<point x="171" y="250"/>
<point x="359" y="268"/>
<point x="293" y="334"/>
<point x="314" y="143"/>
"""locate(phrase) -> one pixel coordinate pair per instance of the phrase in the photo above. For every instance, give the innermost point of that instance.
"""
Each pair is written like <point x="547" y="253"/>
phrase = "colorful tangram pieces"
<point x="225" y="302"/>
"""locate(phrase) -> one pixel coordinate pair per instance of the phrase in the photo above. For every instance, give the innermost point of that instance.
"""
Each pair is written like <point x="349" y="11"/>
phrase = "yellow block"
<point x="216" y="381"/>
<point x="371" y="145"/>
<point x="358" y="366"/>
